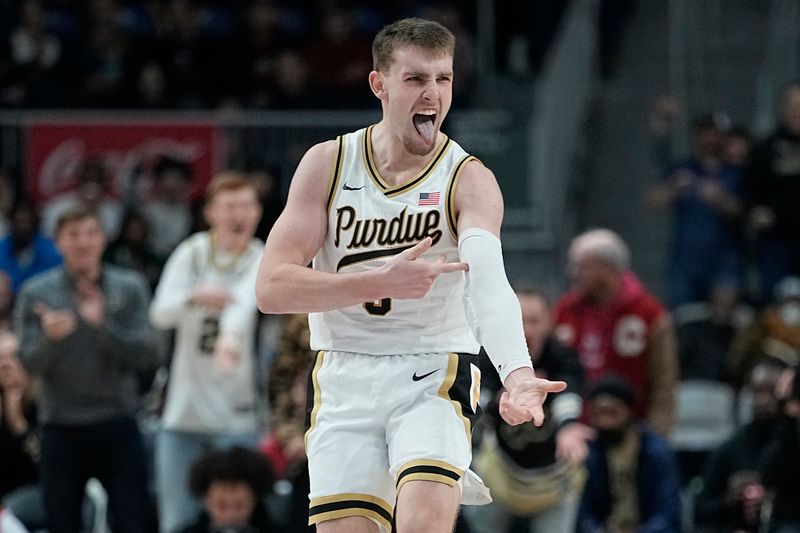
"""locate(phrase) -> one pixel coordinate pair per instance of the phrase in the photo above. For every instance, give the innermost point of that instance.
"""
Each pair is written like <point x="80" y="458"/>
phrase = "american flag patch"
<point x="428" y="198"/>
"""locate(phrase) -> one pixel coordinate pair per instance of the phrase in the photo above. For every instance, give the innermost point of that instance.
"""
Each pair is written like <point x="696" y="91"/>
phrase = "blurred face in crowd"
<point x="590" y="275"/>
<point x="230" y="503"/>
<point x="610" y="417"/>
<point x="737" y="149"/>
<point x="762" y="384"/>
<point x="415" y="92"/>
<point x="791" y="109"/>
<point x="233" y="215"/>
<point x="707" y="141"/>
<point x="536" y="322"/>
<point x="81" y="243"/>
<point x="23" y="226"/>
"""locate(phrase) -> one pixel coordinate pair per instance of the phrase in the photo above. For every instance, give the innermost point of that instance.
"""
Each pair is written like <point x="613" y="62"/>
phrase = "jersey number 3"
<point x="379" y="307"/>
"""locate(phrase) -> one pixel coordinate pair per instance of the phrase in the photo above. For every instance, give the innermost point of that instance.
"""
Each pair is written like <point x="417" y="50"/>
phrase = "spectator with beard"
<point x="633" y="483"/>
<point x="732" y="494"/>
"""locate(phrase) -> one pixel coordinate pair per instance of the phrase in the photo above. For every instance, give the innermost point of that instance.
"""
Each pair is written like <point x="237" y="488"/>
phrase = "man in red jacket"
<point x="617" y="327"/>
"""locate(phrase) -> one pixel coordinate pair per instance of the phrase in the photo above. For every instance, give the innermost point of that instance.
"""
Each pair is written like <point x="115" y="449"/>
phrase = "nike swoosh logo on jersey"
<point x="415" y="377"/>
<point x="349" y="188"/>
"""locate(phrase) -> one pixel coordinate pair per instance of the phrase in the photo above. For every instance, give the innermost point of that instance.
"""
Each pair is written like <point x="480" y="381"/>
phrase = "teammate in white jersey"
<point x="403" y="230"/>
<point x="206" y="294"/>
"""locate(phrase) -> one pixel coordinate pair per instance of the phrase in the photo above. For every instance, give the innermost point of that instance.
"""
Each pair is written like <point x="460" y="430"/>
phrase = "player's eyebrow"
<point x="421" y="74"/>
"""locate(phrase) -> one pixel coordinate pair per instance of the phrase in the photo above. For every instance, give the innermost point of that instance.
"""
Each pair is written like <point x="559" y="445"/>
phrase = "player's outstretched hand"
<point x="524" y="396"/>
<point x="407" y="278"/>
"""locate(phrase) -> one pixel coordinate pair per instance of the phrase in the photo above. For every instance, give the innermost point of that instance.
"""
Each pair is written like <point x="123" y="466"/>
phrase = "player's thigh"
<point x="350" y="524"/>
<point x="427" y="506"/>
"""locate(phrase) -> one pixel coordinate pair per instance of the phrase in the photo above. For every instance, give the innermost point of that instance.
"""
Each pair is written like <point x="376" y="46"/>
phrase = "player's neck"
<point x="395" y="163"/>
<point x="227" y="244"/>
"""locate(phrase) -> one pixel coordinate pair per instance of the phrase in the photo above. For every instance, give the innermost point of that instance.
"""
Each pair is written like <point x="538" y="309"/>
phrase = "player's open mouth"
<point x="424" y="123"/>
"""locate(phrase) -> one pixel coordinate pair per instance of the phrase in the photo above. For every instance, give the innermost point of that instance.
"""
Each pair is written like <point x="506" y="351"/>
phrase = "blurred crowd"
<point x="183" y="54"/>
<point x="187" y="411"/>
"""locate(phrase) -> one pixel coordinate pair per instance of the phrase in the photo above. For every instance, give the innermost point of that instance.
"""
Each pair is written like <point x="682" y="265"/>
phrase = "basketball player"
<point x="393" y="216"/>
<point x="206" y="295"/>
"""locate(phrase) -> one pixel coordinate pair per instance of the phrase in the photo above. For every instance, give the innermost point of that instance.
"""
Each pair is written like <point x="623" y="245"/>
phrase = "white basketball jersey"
<point x="370" y="221"/>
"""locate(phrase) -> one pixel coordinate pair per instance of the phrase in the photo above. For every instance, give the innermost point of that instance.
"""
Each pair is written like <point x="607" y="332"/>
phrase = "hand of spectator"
<point x="738" y="482"/>
<point x="212" y="297"/>
<point x="711" y="192"/>
<point x="56" y="324"/>
<point x="761" y="218"/>
<point x="572" y="442"/>
<point x="91" y="303"/>
<point x="295" y="449"/>
<point x="11" y="408"/>
<point x="682" y="180"/>
<point x="783" y="391"/>
<point x="524" y="396"/>
<point x="227" y="351"/>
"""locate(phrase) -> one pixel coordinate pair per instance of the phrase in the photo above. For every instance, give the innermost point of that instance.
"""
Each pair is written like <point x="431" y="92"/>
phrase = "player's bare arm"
<point x="286" y="284"/>
<point x="479" y="208"/>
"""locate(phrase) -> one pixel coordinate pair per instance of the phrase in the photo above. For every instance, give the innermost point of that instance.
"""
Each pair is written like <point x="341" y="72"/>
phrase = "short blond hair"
<point x="228" y="180"/>
<point x="423" y="33"/>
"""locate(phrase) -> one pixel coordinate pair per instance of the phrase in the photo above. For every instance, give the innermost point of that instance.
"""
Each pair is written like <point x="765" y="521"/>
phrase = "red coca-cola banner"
<point x="56" y="153"/>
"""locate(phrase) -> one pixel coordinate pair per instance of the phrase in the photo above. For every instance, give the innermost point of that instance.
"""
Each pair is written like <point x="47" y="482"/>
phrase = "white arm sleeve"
<point x="492" y="307"/>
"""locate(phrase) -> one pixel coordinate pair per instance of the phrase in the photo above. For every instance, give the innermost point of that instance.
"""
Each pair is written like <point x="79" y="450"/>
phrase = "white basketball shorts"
<point x="378" y="421"/>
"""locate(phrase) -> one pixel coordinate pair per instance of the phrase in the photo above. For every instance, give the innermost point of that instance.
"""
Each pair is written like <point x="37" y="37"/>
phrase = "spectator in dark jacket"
<point x="633" y="483"/>
<point x="535" y="474"/>
<point x="732" y="493"/>
<point x="780" y="468"/>
<point x="772" y="186"/>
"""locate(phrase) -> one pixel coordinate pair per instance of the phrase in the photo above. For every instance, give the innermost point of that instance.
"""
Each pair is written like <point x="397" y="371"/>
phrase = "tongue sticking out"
<point x="424" y="125"/>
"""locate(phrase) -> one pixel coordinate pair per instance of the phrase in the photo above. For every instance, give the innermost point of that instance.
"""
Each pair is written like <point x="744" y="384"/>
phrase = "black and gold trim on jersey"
<point x="391" y="191"/>
<point x="350" y="504"/>
<point x="313" y="395"/>
<point x="336" y="174"/>
<point x="459" y="388"/>
<point x="352" y="259"/>
<point x="428" y="470"/>
<point x="450" y="196"/>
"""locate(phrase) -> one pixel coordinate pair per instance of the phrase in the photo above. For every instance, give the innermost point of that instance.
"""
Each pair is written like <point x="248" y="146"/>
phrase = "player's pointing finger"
<point x="451" y="267"/>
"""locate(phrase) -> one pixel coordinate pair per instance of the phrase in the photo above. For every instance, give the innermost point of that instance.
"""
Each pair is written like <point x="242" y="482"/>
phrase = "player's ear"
<point x="377" y="84"/>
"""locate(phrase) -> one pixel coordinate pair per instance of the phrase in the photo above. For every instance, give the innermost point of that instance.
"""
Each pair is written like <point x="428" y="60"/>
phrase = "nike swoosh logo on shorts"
<point x="415" y="377"/>
<point x="349" y="188"/>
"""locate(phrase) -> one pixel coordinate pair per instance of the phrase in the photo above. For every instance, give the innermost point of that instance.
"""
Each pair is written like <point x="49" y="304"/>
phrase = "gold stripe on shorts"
<point x="444" y="392"/>
<point x="350" y="504"/>
<point x="429" y="470"/>
<point x="317" y="395"/>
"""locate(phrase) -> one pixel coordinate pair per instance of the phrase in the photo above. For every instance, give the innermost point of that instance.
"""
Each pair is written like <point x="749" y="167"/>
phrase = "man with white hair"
<point x="616" y="326"/>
